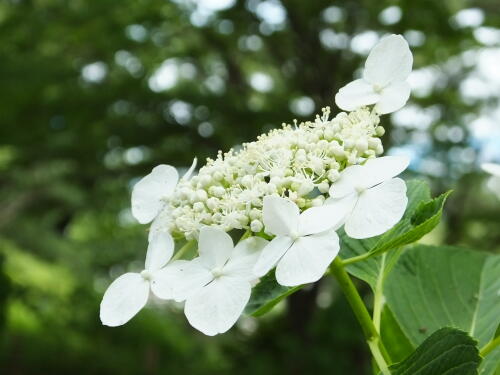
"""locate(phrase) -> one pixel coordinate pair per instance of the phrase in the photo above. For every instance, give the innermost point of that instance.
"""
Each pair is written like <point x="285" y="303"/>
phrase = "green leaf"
<point x="433" y="287"/>
<point x="410" y="229"/>
<point x="267" y="294"/>
<point x="393" y="338"/>
<point x="370" y="269"/>
<point x="447" y="351"/>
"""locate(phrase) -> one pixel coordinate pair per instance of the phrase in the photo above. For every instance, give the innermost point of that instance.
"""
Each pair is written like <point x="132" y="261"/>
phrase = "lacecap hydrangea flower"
<point x="289" y="192"/>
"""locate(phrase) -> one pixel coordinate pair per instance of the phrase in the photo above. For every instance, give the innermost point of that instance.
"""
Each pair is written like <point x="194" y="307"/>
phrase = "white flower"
<point x="305" y="243"/>
<point x="128" y="294"/>
<point x="216" y="286"/>
<point x="384" y="78"/>
<point x="491" y="168"/>
<point x="149" y="195"/>
<point x="374" y="200"/>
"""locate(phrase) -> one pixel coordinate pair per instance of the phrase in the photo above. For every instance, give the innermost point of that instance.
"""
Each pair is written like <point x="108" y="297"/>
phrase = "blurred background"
<point x="95" y="93"/>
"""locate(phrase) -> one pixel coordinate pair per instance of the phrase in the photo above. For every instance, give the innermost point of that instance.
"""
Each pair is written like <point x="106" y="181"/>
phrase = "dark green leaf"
<point x="410" y="229"/>
<point x="447" y="351"/>
<point x="432" y="287"/>
<point x="267" y="294"/>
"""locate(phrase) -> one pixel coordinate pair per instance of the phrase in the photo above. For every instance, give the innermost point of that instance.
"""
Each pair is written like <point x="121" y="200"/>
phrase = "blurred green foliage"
<point x="95" y="93"/>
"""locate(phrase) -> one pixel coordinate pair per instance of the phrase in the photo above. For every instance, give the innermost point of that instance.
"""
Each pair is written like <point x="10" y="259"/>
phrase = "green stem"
<point x="370" y="332"/>
<point x="359" y="258"/>
<point x="488" y="348"/>
<point x="378" y="298"/>
<point x="184" y="249"/>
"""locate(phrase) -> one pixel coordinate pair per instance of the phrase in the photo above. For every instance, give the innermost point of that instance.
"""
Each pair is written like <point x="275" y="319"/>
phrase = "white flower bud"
<point x="361" y="145"/>
<point x="323" y="187"/>
<point x="305" y="187"/>
<point x="333" y="175"/>
<point x="256" y="226"/>
<point x="212" y="203"/>
<point x="201" y="195"/>
<point x="318" y="201"/>
<point x="198" y="207"/>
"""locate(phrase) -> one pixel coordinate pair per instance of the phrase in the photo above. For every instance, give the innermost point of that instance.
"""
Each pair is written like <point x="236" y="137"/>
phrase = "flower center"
<point x="146" y="275"/>
<point x="359" y="189"/>
<point x="217" y="272"/>
<point x="378" y="89"/>
<point x="295" y="236"/>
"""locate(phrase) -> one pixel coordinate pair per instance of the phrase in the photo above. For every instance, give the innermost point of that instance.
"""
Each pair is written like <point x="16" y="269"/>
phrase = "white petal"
<point x="214" y="246"/>
<point x="123" y="299"/>
<point x="318" y="219"/>
<point x="166" y="280"/>
<point x="271" y="254"/>
<point x="216" y="307"/>
<point x="280" y="215"/>
<point x="348" y="180"/>
<point x="160" y="224"/>
<point x="356" y="94"/>
<point x="244" y="258"/>
<point x="393" y="97"/>
<point x="381" y="169"/>
<point x="188" y="278"/>
<point x="190" y="171"/>
<point x="389" y="61"/>
<point x="491" y="168"/>
<point x="160" y="250"/>
<point x="378" y="209"/>
<point x="308" y="259"/>
<point x="147" y="193"/>
<point x="343" y="206"/>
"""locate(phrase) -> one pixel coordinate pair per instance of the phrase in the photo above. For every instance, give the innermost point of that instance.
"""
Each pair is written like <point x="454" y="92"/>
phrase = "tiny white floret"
<point x="373" y="199"/>
<point x="216" y="285"/>
<point x="384" y="78"/>
<point x="128" y="294"/>
<point x="305" y="243"/>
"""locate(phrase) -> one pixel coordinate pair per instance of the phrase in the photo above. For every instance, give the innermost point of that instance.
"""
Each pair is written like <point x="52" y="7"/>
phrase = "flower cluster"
<point x="291" y="190"/>
<point x="292" y="161"/>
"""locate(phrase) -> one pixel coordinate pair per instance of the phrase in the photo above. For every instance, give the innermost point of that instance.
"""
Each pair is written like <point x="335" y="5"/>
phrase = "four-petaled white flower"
<point x="491" y="168"/>
<point x="216" y="285"/>
<point x="374" y="201"/>
<point x="150" y="193"/>
<point x="384" y="78"/>
<point x="128" y="294"/>
<point x="305" y="243"/>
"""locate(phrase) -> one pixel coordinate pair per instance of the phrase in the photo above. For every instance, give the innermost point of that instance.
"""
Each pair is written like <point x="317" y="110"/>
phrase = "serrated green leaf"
<point x="425" y="218"/>
<point x="447" y="351"/>
<point x="267" y="294"/>
<point x="421" y="216"/>
<point x="432" y="287"/>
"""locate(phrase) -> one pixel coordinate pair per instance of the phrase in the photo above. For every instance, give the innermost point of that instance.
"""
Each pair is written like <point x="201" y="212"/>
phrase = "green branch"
<point x="370" y="332"/>
<point x="488" y="348"/>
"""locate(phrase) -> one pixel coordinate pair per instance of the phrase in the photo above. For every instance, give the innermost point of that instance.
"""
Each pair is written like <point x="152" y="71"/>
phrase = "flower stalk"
<point x="489" y="347"/>
<point x="370" y="332"/>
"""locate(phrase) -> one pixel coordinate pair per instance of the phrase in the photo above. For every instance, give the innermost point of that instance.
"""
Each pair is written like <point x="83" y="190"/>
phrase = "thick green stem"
<point x="489" y="347"/>
<point x="370" y="332"/>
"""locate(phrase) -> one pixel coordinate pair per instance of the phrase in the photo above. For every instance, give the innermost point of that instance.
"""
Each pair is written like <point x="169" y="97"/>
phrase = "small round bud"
<point x="333" y="175"/>
<point x="318" y="201"/>
<point x="256" y="226"/>
<point x="198" y="207"/>
<point x="323" y="187"/>
<point x="380" y="131"/>
<point x="361" y="145"/>
<point x="201" y="195"/>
